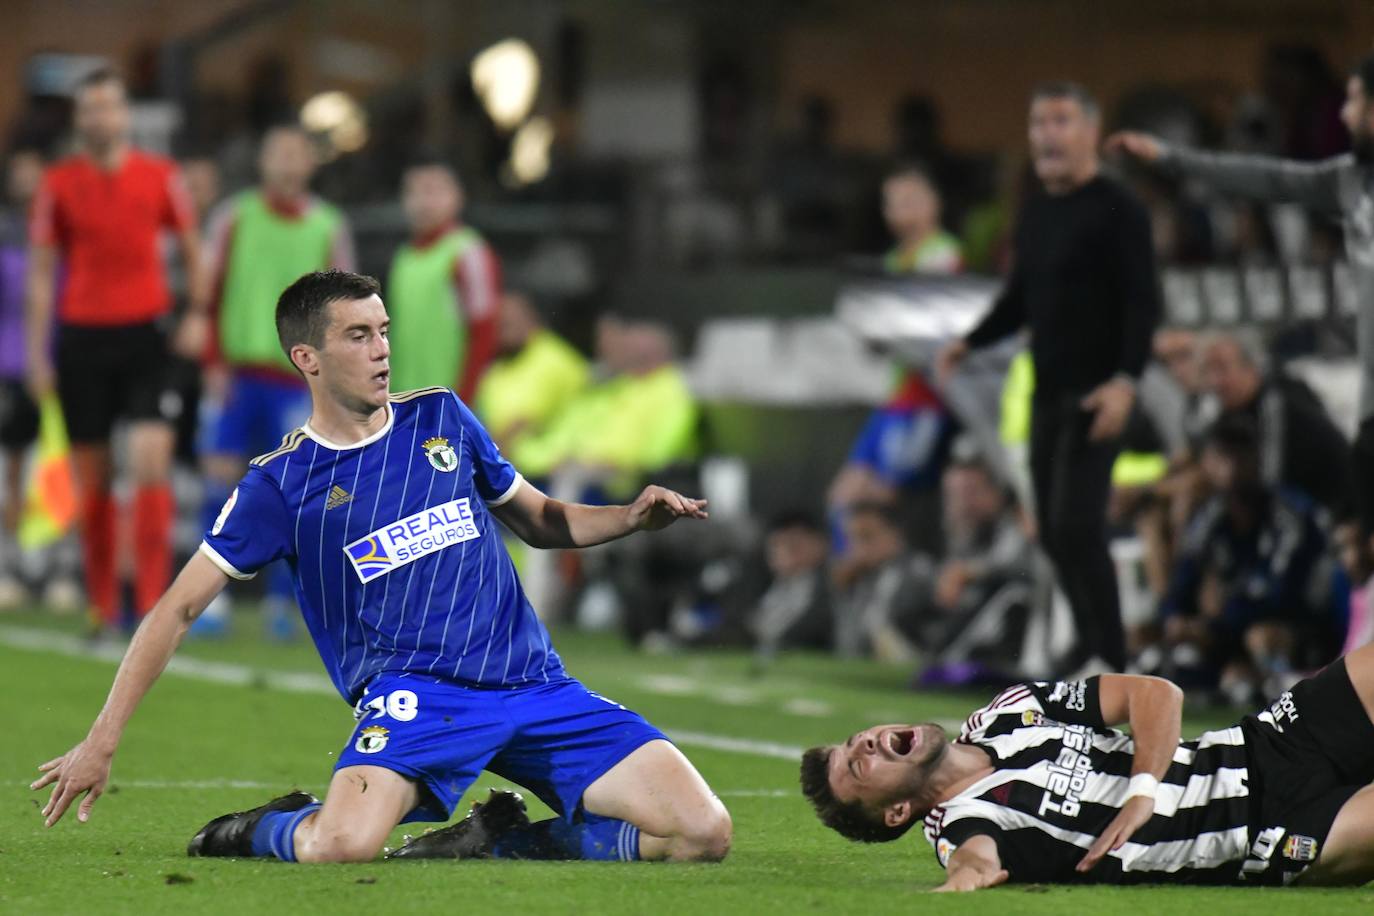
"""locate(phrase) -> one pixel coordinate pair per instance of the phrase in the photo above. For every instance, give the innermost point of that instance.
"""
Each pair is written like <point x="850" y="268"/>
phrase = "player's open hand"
<point x="1131" y="818"/>
<point x="83" y="769"/>
<point x="658" y="507"/>
<point x="972" y="879"/>
<point x="1142" y="146"/>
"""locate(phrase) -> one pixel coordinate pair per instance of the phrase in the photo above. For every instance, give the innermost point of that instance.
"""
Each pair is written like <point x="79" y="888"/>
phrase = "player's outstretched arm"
<point x="1267" y="178"/>
<point x="974" y="866"/>
<point x="86" y="767"/>
<point x="550" y="523"/>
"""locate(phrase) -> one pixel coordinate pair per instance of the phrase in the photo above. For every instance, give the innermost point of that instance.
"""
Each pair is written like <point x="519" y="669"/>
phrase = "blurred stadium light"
<point x="338" y="118"/>
<point x="506" y="78"/>
<point x="529" y="152"/>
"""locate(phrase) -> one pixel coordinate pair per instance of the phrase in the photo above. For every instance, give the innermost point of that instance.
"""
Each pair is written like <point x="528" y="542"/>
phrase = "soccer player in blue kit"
<point x="385" y="507"/>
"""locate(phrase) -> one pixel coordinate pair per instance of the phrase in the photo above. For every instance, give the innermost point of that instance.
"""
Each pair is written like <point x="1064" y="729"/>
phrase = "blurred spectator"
<point x="1299" y="447"/>
<point x="1182" y="416"/>
<point x="912" y="208"/>
<point x="877" y="588"/>
<point x="979" y="601"/>
<point x="102" y="211"/>
<point x="203" y="181"/>
<point x="443" y="289"/>
<point x="257" y="243"/>
<point x="1178" y="351"/>
<point x="535" y="375"/>
<point x="1340" y="185"/>
<point x="638" y="423"/>
<point x="1246" y="602"/>
<point x="795" y="611"/>
<point x="900" y="450"/>
<point x="641" y="418"/>
<point x="18" y="413"/>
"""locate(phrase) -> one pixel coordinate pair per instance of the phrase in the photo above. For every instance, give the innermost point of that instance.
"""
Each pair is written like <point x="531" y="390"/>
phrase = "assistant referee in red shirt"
<point x="100" y="213"/>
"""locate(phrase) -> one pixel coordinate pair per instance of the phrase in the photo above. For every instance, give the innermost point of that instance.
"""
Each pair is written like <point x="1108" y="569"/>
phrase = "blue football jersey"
<point x="399" y="564"/>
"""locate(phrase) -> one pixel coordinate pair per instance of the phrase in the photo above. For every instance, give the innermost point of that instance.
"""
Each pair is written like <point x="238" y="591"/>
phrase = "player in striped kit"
<point x="1039" y="786"/>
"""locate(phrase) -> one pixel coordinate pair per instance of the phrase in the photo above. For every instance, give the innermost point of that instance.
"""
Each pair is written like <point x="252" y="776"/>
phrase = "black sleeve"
<point x="1007" y="315"/>
<point x="1071" y="702"/>
<point x="1139" y="286"/>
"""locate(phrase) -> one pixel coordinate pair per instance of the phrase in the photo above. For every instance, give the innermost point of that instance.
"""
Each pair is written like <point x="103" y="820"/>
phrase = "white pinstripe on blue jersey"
<point x="360" y="629"/>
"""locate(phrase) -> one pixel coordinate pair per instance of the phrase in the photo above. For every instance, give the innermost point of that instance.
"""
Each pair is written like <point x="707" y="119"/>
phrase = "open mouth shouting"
<point x="900" y="742"/>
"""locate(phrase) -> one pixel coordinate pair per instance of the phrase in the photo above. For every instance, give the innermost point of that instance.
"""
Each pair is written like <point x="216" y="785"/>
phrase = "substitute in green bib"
<point x="443" y="289"/>
<point x="259" y="241"/>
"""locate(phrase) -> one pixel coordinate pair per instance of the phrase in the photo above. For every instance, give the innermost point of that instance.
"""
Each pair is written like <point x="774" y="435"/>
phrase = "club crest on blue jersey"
<point x="371" y="740"/>
<point x="440" y="454"/>
<point x="408" y="539"/>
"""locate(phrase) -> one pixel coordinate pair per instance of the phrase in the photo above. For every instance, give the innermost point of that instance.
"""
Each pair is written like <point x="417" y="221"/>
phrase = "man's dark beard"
<point x="926" y="767"/>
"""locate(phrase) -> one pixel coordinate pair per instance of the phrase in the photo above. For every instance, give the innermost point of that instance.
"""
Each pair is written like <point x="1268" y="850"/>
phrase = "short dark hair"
<point x="886" y="513"/>
<point x="98" y="77"/>
<point x="428" y="159"/>
<point x="1364" y="71"/>
<point x="286" y="126"/>
<point x="848" y="819"/>
<point x="302" y="308"/>
<point x="1067" y="89"/>
<point x="911" y="169"/>
<point x="795" y="519"/>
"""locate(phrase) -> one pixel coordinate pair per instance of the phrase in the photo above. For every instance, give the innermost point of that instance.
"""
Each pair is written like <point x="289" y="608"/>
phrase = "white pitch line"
<point x="302" y="682"/>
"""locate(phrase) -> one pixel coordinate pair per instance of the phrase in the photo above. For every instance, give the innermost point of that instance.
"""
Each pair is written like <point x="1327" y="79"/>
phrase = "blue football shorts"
<point x="258" y="411"/>
<point x="554" y="739"/>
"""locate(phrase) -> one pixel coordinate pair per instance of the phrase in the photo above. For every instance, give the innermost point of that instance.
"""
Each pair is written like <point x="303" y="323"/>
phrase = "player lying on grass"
<point x="1039" y="787"/>
<point x="385" y="506"/>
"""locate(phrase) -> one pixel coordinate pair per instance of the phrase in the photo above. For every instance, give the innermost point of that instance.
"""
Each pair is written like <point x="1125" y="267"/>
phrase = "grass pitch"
<point x="199" y="748"/>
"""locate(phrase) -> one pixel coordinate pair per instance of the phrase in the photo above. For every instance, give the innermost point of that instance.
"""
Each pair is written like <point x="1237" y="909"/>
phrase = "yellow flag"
<point x="50" y="498"/>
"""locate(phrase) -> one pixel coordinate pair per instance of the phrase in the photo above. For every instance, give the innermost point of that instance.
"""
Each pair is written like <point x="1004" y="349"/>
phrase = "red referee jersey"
<point x="105" y="226"/>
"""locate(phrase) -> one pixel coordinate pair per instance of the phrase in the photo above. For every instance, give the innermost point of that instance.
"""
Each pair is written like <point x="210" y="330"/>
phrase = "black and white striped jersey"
<point x="1061" y="776"/>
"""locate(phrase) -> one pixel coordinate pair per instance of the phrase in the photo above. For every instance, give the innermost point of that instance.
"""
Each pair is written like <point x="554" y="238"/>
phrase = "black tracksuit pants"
<point x="1072" y="478"/>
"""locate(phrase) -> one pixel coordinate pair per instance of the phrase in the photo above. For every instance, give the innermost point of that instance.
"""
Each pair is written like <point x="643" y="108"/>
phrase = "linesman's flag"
<point x="50" y="498"/>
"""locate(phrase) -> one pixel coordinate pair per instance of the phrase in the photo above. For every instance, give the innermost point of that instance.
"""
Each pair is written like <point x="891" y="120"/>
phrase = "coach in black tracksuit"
<point x="1084" y="280"/>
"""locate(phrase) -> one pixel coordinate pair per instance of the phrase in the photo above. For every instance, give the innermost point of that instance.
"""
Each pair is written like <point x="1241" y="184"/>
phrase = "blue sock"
<point x="275" y="834"/>
<point x="596" y="838"/>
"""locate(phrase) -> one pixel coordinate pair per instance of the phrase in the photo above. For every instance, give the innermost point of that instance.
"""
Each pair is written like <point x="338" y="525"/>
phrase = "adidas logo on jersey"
<point x="336" y="498"/>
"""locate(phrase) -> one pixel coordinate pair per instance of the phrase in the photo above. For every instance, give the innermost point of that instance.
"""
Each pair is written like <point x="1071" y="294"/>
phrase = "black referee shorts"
<point x="1309" y="752"/>
<point x="110" y="373"/>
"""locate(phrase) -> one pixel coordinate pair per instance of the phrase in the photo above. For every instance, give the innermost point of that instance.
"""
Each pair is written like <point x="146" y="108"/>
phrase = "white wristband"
<point x="1142" y="785"/>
